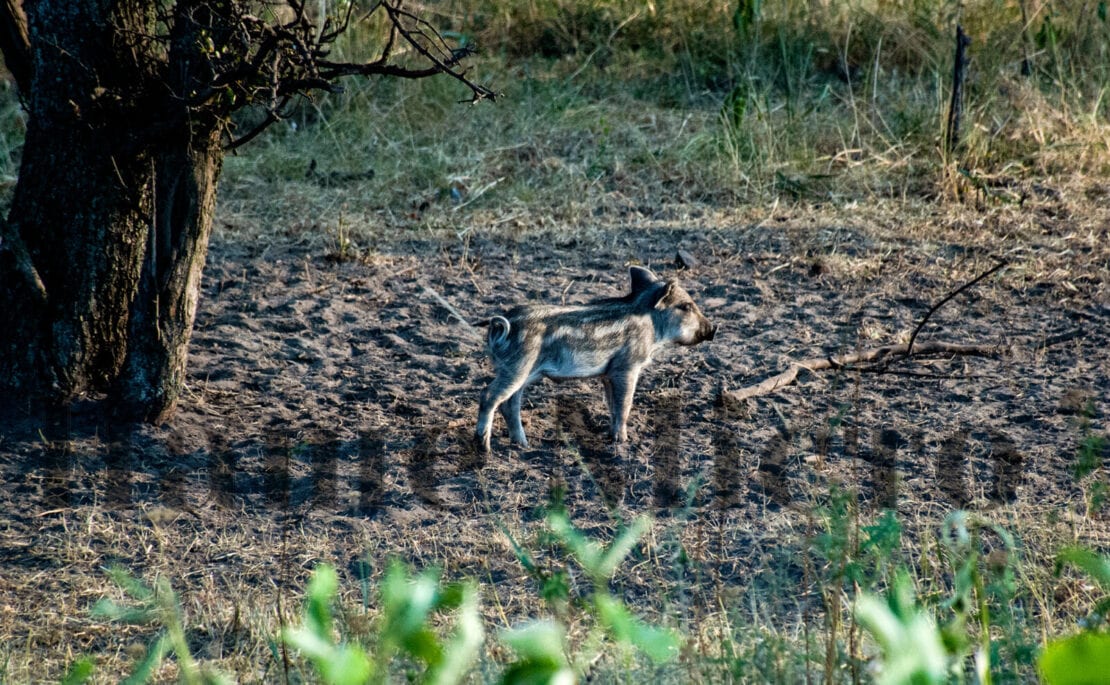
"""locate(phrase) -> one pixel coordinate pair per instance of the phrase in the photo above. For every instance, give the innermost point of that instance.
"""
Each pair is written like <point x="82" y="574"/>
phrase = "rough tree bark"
<point x="185" y="174"/>
<point x="72" y="245"/>
<point x="129" y="106"/>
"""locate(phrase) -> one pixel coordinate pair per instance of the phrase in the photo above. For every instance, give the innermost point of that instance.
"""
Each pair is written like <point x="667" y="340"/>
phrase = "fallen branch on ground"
<point x="454" y="312"/>
<point x="883" y="354"/>
<point x="879" y="358"/>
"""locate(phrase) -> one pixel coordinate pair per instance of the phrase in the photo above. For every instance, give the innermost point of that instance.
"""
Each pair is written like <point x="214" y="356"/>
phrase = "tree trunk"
<point x="128" y="102"/>
<point x="101" y="257"/>
<point x="164" y="307"/>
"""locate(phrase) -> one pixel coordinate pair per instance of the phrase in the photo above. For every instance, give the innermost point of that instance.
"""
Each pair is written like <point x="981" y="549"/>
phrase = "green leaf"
<point x="555" y="588"/>
<point x="884" y="536"/>
<point x="106" y="608"/>
<point x="615" y="617"/>
<point x="532" y="673"/>
<point x="450" y="595"/>
<point x="336" y="664"/>
<point x="522" y="555"/>
<point x="130" y="584"/>
<point x="461" y="651"/>
<point x="308" y="642"/>
<point x="541" y="648"/>
<point x="407" y="602"/>
<point x="612" y="558"/>
<point x="1082" y="659"/>
<point x="660" y="644"/>
<point x="538" y="642"/>
<point x="911" y="643"/>
<point x="1089" y="456"/>
<point x="745" y="16"/>
<point x="587" y="551"/>
<point x="348" y="665"/>
<point x="322" y="589"/>
<point x="423" y="644"/>
<point x="79" y="672"/>
<point x="1096" y="566"/>
<point x="154" y="655"/>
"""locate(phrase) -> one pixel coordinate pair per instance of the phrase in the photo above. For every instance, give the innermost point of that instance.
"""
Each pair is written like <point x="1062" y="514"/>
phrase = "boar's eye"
<point x="685" y="307"/>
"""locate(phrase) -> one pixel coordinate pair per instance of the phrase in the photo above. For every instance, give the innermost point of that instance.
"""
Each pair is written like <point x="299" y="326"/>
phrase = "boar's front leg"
<point x="620" y="387"/>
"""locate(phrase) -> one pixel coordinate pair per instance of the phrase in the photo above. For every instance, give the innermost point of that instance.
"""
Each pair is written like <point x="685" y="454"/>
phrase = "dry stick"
<point x="453" y="311"/>
<point x="955" y="108"/>
<point x="884" y="354"/>
<point x="913" y="336"/>
<point x="1026" y="60"/>
<point x="398" y="274"/>
<point x="840" y="361"/>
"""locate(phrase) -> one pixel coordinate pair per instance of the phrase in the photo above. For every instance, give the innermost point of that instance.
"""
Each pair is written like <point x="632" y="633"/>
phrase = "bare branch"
<point x="875" y="354"/>
<point x="938" y="305"/>
<point x="879" y="357"/>
<point x="10" y="240"/>
<point x="262" y="63"/>
<point x="417" y="38"/>
<point x="247" y="137"/>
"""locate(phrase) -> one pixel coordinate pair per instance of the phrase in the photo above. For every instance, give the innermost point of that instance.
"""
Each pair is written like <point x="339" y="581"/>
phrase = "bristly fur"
<point x="613" y="338"/>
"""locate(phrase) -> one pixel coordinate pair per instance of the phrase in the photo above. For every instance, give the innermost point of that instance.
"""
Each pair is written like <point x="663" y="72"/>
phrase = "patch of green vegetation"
<point x="716" y="101"/>
<point x="426" y="630"/>
<point x="406" y="638"/>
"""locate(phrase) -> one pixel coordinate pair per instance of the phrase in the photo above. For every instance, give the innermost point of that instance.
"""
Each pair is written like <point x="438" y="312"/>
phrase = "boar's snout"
<point x="706" y="330"/>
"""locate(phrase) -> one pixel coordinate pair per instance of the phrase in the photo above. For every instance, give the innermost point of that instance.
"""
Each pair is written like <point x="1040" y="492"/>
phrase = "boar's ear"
<point x="641" y="278"/>
<point x="661" y="297"/>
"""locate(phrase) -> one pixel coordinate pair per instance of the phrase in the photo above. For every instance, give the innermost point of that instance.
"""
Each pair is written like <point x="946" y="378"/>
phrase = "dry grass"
<point x="809" y="149"/>
<point x="635" y="109"/>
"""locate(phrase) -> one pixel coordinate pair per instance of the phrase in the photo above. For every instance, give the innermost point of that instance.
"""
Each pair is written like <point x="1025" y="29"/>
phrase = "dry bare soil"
<point x="331" y="399"/>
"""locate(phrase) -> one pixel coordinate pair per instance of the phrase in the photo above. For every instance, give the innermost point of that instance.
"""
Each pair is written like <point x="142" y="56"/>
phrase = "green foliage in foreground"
<point x="410" y="606"/>
<point x="1084" y="657"/>
<point x="912" y="646"/>
<point x="159" y="606"/>
<point x="430" y="631"/>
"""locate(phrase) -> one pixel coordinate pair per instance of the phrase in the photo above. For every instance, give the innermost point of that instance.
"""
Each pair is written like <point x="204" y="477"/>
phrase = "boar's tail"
<point x="499" y="328"/>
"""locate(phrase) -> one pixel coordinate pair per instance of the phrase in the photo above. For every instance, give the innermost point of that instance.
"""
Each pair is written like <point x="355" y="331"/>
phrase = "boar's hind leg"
<point x="503" y="388"/>
<point x="511" y="411"/>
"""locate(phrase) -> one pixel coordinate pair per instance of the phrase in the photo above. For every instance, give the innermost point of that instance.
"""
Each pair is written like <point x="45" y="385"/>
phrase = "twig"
<point x="1026" y="60"/>
<point x="398" y="274"/>
<point x="454" y="312"/>
<point x="478" y="193"/>
<point x="883" y="354"/>
<point x="608" y="43"/>
<point x="1063" y="337"/>
<point x="938" y="305"/>
<point x="846" y="360"/>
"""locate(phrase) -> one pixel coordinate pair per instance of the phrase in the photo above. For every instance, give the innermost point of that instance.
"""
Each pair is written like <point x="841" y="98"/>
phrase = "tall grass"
<point x="648" y="103"/>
